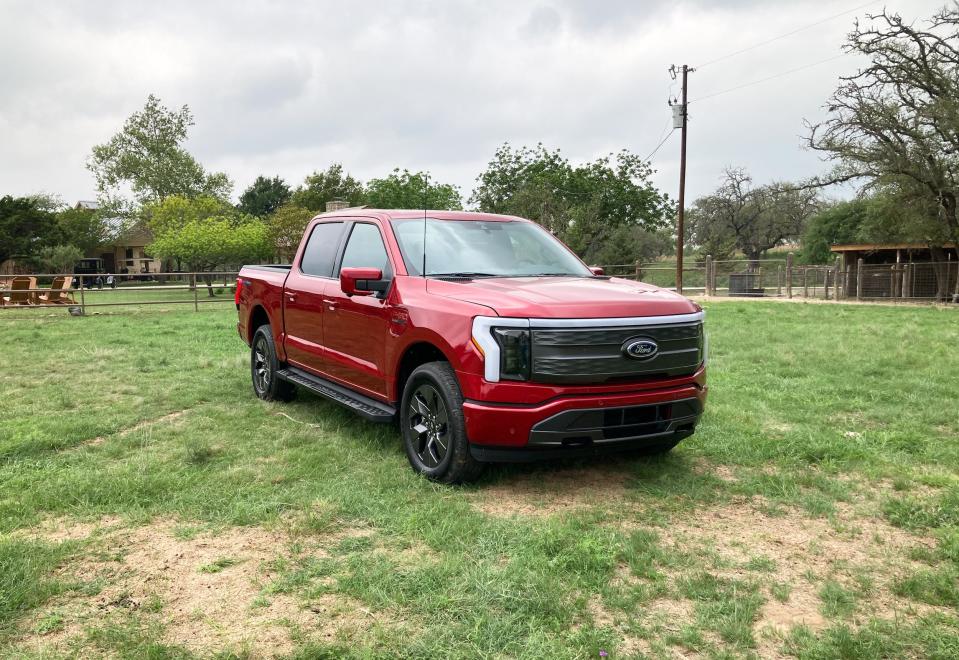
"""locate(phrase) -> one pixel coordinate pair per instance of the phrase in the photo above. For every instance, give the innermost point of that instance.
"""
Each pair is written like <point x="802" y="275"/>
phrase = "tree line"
<point x="892" y="128"/>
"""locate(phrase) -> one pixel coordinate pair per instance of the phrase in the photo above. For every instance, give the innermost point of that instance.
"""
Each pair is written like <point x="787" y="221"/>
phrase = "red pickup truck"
<point x="484" y="336"/>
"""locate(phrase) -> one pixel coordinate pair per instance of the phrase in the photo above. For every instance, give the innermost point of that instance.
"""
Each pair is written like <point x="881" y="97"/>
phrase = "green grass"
<point x="837" y="419"/>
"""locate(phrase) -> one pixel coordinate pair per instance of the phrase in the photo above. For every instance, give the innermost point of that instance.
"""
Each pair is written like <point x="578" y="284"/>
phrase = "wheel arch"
<point x="258" y="317"/>
<point x="418" y="353"/>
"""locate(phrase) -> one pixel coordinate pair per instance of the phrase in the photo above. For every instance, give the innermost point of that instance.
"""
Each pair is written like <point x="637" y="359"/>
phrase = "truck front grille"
<point x="598" y="355"/>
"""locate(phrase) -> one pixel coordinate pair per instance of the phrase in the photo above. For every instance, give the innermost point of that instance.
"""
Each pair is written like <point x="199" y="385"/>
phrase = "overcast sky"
<point x="285" y="88"/>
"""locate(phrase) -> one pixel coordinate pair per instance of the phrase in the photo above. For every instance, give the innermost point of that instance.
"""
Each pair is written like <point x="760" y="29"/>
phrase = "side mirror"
<point x="362" y="281"/>
<point x="597" y="270"/>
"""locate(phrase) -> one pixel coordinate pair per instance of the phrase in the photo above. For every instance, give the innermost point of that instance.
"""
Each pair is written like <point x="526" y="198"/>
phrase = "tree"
<point x="83" y="228"/>
<point x="895" y="123"/>
<point x="59" y="259"/>
<point x="753" y="220"/>
<point x="322" y="187"/>
<point x="412" y="190"/>
<point x="205" y="234"/>
<point x="835" y="224"/>
<point x="264" y="196"/>
<point x="147" y="156"/>
<point x="286" y="227"/>
<point x="582" y="204"/>
<point x="26" y="226"/>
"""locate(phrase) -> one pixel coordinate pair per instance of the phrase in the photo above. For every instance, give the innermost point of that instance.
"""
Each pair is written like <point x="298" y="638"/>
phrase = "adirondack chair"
<point x="19" y="293"/>
<point x="59" y="293"/>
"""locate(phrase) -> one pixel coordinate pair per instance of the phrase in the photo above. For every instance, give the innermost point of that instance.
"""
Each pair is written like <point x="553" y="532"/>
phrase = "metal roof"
<point x="875" y="247"/>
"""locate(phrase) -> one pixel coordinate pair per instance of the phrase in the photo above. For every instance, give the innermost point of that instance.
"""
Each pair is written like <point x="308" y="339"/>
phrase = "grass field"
<point x="150" y="506"/>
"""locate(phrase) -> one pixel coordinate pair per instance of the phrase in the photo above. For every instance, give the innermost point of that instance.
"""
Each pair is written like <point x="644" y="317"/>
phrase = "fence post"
<point x="639" y="271"/>
<point x="805" y="282"/>
<point x="83" y="302"/>
<point x="835" y="280"/>
<point x="709" y="269"/>
<point x="779" y="280"/>
<point x="789" y="275"/>
<point x="196" y="299"/>
<point x="859" y="279"/>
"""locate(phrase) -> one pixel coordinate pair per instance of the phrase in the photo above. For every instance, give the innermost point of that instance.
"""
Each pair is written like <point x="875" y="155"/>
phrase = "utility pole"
<point x="683" y="124"/>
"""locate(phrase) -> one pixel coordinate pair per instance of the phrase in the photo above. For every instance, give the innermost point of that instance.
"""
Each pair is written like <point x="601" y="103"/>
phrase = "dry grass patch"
<point x="209" y="591"/>
<point x="800" y="553"/>
<point x="551" y="492"/>
<point x="139" y="426"/>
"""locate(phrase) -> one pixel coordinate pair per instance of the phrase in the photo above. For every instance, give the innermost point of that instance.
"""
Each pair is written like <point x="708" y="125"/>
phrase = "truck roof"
<point x="390" y="214"/>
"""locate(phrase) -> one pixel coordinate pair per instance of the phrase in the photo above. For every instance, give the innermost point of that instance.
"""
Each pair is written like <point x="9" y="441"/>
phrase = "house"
<point x="123" y="252"/>
<point x="898" y="270"/>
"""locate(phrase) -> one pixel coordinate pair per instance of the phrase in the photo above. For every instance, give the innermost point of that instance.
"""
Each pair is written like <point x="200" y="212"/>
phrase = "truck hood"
<point x="564" y="297"/>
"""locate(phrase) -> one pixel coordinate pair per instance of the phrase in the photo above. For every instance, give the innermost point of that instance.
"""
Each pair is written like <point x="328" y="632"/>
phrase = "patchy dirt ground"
<point x="211" y="592"/>
<point x="542" y="493"/>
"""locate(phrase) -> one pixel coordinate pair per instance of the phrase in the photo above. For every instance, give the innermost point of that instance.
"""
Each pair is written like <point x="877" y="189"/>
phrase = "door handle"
<point x="291" y="297"/>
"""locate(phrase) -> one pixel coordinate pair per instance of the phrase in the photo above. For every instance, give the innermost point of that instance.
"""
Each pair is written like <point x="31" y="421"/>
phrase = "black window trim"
<point x="337" y="253"/>
<point x="341" y="250"/>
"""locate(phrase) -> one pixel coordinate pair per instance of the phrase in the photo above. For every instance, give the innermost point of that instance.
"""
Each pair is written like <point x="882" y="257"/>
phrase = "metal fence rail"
<point x="782" y="278"/>
<point x="124" y="290"/>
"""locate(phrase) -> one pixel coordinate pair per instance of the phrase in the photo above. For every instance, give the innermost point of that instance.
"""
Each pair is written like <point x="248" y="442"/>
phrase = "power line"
<point x="661" y="143"/>
<point x="768" y="78"/>
<point x="787" y="34"/>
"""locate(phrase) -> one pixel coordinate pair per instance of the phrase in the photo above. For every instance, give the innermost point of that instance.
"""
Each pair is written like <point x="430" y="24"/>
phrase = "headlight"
<point x="505" y="345"/>
<point x="515" y="359"/>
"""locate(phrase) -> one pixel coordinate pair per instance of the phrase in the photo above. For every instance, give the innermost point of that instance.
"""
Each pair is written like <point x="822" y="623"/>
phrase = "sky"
<point x="286" y="88"/>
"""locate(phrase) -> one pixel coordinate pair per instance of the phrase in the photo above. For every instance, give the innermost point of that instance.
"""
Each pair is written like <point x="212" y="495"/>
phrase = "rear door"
<point x="356" y="328"/>
<point x="303" y="296"/>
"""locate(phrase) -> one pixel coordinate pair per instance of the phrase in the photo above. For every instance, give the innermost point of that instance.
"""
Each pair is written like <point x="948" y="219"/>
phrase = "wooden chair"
<point x="59" y="293"/>
<point x="19" y="293"/>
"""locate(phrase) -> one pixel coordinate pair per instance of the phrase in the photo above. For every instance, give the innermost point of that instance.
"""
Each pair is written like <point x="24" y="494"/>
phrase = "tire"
<point x="433" y="428"/>
<point x="263" y="367"/>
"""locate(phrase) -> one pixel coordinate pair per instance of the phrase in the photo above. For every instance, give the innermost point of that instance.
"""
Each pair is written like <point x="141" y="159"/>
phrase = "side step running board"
<point x="364" y="406"/>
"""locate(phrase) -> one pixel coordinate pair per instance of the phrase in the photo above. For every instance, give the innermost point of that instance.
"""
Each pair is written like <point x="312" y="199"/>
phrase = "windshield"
<point x="470" y="248"/>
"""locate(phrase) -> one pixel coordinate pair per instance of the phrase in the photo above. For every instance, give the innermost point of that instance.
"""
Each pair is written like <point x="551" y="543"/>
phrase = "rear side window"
<point x="320" y="251"/>
<point x="365" y="249"/>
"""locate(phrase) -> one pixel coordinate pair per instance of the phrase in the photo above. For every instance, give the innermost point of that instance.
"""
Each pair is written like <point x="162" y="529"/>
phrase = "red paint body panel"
<point x="360" y="341"/>
<point x="510" y="426"/>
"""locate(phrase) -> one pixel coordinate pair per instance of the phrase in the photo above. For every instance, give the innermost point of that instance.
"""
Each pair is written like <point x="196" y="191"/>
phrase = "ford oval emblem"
<point x="640" y="349"/>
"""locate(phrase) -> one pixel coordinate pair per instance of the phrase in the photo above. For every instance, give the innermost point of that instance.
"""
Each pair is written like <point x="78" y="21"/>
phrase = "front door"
<point x="303" y="297"/>
<point x="355" y="328"/>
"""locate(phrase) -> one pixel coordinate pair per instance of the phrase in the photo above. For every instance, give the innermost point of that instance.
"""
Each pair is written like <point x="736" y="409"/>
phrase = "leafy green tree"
<point x="59" y="259"/>
<point x="836" y="224"/>
<point x="332" y="184"/>
<point x="83" y="228"/>
<point x="582" y="204"/>
<point x="629" y="244"/>
<point x="26" y="227"/>
<point x="205" y="233"/>
<point x="286" y="227"/>
<point x="264" y="196"/>
<point x="412" y="190"/>
<point x="148" y="157"/>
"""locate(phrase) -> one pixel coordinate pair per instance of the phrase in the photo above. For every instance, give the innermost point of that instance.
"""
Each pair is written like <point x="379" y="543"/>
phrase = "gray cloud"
<point x="286" y="88"/>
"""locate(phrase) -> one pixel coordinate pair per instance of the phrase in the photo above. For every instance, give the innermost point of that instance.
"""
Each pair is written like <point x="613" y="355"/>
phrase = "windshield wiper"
<point x="551" y="275"/>
<point x="463" y="275"/>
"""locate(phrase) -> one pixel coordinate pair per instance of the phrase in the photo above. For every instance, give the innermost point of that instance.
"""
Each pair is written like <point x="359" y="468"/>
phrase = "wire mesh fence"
<point x="782" y="278"/>
<point x="79" y="293"/>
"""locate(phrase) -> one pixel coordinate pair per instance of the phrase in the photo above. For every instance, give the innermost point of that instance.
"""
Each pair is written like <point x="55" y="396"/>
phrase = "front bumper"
<point x="582" y="424"/>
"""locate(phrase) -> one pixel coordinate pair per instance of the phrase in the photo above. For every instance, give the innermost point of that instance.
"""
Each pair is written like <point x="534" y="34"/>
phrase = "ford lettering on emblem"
<point x="640" y="349"/>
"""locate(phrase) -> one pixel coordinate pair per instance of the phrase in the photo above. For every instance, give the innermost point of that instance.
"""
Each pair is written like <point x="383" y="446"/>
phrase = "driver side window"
<point x="365" y="249"/>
